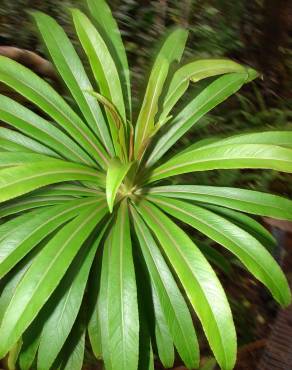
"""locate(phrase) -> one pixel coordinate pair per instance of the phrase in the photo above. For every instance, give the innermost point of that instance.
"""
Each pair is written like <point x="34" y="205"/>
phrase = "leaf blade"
<point x="199" y="282"/>
<point x="250" y="252"/>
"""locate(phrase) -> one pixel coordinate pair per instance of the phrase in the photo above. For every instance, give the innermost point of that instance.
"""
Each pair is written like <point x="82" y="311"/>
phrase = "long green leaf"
<point x="77" y="191"/>
<point x="118" y="298"/>
<point x="164" y="341"/>
<point x="279" y="138"/>
<point x="250" y="252"/>
<point x="173" y="304"/>
<point x="39" y="92"/>
<point x="170" y="51"/>
<point x="17" y="159"/>
<point x="231" y="156"/>
<point x="102" y="63"/>
<point x="38" y="128"/>
<point x="67" y="298"/>
<point x="248" y="224"/>
<point x="199" y="281"/>
<point x="25" y="143"/>
<point x="115" y="175"/>
<point x="244" y="200"/>
<point x="31" y="340"/>
<point x="26" y="236"/>
<point x="44" y="275"/>
<point x="209" y="98"/>
<point x="8" y="227"/>
<point x="72" y="72"/>
<point x="103" y="68"/>
<point x="19" y="180"/>
<point x="74" y="350"/>
<point x="194" y="72"/>
<point x="30" y="202"/>
<point x="109" y="30"/>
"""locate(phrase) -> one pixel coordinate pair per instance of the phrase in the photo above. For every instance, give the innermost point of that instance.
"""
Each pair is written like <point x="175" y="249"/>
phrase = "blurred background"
<point x="257" y="33"/>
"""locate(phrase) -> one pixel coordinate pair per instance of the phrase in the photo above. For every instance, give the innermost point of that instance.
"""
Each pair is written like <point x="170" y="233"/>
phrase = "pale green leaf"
<point x="115" y="175"/>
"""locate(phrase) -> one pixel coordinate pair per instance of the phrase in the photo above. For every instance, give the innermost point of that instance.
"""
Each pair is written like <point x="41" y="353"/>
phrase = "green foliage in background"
<point x="92" y="239"/>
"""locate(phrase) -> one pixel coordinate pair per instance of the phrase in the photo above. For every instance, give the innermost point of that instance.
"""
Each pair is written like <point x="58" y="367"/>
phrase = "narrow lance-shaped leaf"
<point x="248" y="224"/>
<point x="26" y="236"/>
<point x="72" y="72"/>
<point x="209" y="98"/>
<point x="44" y="275"/>
<point x="16" y="159"/>
<point x="118" y="125"/>
<point x="231" y="156"/>
<point x="40" y="93"/>
<point x="26" y="203"/>
<point x="118" y="306"/>
<point x="23" y="179"/>
<point x="109" y="30"/>
<point x="164" y="341"/>
<point x="199" y="281"/>
<point x="244" y="200"/>
<point x="250" y="252"/>
<point x="171" y="51"/>
<point x="25" y="143"/>
<point x="73" y="352"/>
<point x="194" y="72"/>
<point x="115" y="175"/>
<point x="67" y="301"/>
<point x="38" y="128"/>
<point x="101" y="61"/>
<point x="173" y="304"/>
<point x="279" y="138"/>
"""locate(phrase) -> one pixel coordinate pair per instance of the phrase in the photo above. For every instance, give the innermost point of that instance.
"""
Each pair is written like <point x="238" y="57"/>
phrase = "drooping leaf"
<point x="67" y="298"/>
<point x="199" y="281"/>
<point x="118" y="306"/>
<point x="247" y="223"/>
<point x="244" y="200"/>
<point x="44" y="275"/>
<point x="250" y="252"/>
<point x="194" y="72"/>
<point x="174" y="307"/>
<point x="27" y="235"/>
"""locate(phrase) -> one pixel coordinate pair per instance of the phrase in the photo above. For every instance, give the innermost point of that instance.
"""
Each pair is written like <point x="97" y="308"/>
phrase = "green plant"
<point x="87" y="242"/>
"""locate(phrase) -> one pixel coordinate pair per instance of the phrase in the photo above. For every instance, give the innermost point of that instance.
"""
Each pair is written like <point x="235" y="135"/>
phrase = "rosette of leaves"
<point x="90" y="240"/>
